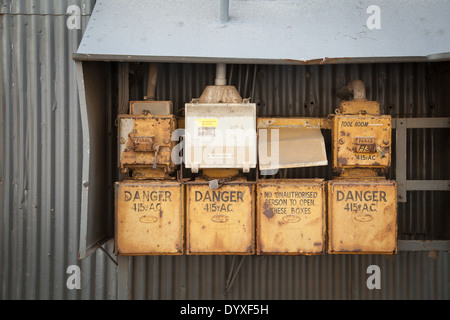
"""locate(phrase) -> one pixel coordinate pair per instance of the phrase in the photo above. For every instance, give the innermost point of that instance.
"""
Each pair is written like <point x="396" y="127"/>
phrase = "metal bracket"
<point x="401" y="125"/>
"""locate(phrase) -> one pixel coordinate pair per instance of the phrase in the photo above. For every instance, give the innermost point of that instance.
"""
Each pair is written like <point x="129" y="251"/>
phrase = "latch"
<point x="155" y="159"/>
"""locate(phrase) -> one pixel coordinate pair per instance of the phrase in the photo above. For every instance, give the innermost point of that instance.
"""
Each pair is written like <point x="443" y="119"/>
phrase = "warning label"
<point x="208" y="122"/>
<point x="289" y="202"/>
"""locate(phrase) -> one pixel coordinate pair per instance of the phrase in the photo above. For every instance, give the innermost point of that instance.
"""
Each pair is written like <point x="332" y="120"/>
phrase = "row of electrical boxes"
<point x="285" y="216"/>
<point x="220" y="210"/>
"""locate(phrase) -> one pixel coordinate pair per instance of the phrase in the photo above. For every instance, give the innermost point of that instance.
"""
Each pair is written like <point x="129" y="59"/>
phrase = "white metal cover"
<point x="263" y="31"/>
<point x="220" y="135"/>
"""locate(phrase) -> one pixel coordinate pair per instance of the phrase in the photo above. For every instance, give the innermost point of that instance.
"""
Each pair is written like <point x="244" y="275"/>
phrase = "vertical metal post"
<point x="123" y="268"/>
<point x="123" y="286"/>
<point x="124" y="90"/>
<point x="401" y="163"/>
<point x="221" y="78"/>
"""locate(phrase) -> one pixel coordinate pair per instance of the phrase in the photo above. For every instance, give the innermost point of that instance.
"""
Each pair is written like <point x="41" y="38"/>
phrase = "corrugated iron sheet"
<point x="40" y="158"/>
<point x="40" y="174"/>
<point x="409" y="275"/>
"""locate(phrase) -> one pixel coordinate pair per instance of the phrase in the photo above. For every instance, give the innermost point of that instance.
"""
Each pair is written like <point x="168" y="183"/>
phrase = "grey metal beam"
<point x="423" y="245"/>
<point x="401" y="125"/>
<point x="416" y="123"/>
<point x="123" y="283"/>
<point x="400" y="169"/>
<point x="434" y="185"/>
<point x="124" y="90"/>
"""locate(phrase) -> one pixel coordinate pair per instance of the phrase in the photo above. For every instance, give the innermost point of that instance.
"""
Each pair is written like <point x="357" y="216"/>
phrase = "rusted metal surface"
<point x="294" y="122"/>
<point x="157" y="108"/>
<point x="359" y="107"/>
<point x="362" y="217"/>
<point x="355" y="89"/>
<point x="220" y="94"/>
<point x="361" y="141"/>
<point x="220" y="221"/>
<point x="149" y="218"/>
<point x="291" y="217"/>
<point x="145" y="142"/>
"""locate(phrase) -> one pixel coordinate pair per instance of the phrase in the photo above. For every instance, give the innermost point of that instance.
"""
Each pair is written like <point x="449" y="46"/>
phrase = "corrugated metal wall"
<point x="412" y="275"/>
<point x="40" y="174"/>
<point x="40" y="157"/>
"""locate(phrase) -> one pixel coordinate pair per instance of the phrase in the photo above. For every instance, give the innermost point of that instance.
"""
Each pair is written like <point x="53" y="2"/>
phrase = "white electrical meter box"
<point x="220" y="135"/>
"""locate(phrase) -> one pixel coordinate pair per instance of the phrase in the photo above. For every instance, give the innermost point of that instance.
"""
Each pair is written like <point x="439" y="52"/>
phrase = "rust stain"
<point x="324" y="60"/>
<point x="342" y="160"/>
<point x="268" y="211"/>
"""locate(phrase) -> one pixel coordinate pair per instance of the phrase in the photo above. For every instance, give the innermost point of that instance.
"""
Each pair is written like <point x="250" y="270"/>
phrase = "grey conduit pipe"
<point x="223" y="11"/>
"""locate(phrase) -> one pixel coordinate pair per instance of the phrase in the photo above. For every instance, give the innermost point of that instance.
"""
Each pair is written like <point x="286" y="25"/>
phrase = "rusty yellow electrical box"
<point x="362" y="216"/>
<point x="291" y="216"/>
<point x="149" y="218"/>
<point x="220" y="221"/>
<point x="145" y="145"/>
<point x="361" y="141"/>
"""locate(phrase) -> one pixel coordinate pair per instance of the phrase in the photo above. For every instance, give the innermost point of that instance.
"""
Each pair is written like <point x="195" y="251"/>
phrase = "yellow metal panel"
<point x="140" y="135"/>
<point x="292" y="122"/>
<point x="362" y="216"/>
<point x="220" y="221"/>
<point x="361" y="141"/>
<point x="358" y="106"/>
<point x="291" y="217"/>
<point x="159" y="108"/>
<point x="149" y="218"/>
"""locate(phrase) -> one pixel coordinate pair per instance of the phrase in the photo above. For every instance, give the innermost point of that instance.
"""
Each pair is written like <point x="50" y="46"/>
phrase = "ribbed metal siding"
<point x="40" y="157"/>
<point x="409" y="275"/>
<point x="40" y="174"/>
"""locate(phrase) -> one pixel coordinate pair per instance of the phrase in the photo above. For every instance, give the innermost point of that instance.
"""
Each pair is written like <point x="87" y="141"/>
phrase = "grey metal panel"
<point x="96" y="202"/>
<point x="273" y="32"/>
<point x="408" y="275"/>
<point x="40" y="156"/>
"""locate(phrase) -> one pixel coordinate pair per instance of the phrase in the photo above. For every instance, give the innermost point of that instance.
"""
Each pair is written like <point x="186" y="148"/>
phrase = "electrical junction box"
<point x="291" y="217"/>
<point x="361" y="141"/>
<point x="222" y="220"/>
<point x="220" y="135"/>
<point x="362" y="216"/>
<point x="149" y="218"/>
<point x="145" y="145"/>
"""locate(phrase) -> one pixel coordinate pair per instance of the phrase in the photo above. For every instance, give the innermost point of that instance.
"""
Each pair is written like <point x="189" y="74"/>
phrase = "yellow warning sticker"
<point x="213" y="122"/>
